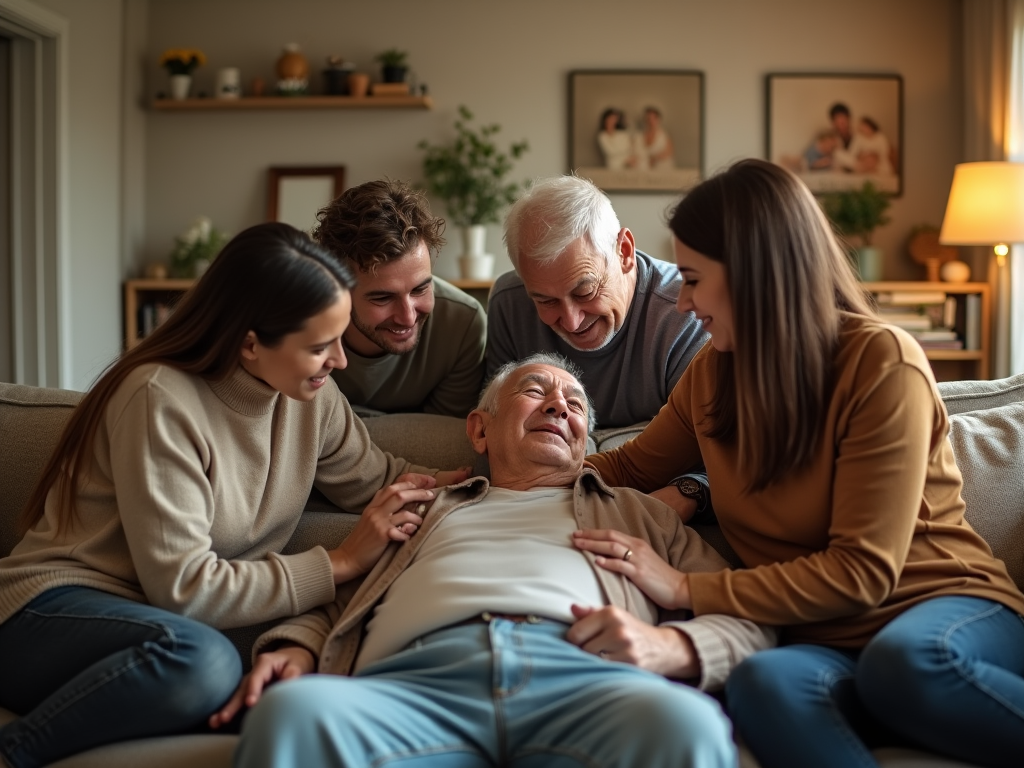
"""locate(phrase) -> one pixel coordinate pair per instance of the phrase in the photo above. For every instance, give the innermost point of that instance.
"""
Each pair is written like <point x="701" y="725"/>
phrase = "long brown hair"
<point x="789" y="280"/>
<point x="269" y="279"/>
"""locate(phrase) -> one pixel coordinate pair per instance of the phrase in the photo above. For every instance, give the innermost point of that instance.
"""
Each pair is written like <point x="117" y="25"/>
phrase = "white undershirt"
<point x="509" y="553"/>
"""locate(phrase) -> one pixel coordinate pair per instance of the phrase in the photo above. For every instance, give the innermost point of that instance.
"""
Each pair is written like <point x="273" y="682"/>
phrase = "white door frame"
<point x="40" y="289"/>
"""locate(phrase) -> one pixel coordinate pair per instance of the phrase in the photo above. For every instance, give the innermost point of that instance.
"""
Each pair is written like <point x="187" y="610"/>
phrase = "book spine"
<point x="972" y="321"/>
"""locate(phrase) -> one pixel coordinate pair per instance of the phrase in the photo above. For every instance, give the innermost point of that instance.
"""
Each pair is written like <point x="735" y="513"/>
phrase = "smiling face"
<point x="538" y="433"/>
<point x="705" y="292"/>
<point x="390" y="305"/>
<point x="580" y="295"/>
<point x="299" y="366"/>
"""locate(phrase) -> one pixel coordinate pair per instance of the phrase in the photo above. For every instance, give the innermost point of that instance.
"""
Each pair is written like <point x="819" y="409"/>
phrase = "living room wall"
<point x="509" y="62"/>
<point x="138" y="177"/>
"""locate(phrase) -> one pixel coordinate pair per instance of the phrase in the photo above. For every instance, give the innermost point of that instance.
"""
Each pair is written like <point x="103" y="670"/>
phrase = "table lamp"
<point x="986" y="207"/>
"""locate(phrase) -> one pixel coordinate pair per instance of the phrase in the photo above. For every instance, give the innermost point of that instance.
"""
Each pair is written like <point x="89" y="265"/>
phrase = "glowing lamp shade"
<point x="986" y="206"/>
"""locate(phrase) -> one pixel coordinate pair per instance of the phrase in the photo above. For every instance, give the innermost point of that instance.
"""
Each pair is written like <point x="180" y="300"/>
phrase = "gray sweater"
<point x="630" y="378"/>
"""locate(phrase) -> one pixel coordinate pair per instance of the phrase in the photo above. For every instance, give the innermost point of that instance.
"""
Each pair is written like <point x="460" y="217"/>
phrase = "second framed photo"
<point x="837" y="131"/>
<point x="637" y="130"/>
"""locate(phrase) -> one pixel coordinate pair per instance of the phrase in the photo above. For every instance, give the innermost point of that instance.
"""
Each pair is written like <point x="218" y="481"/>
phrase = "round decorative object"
<point x="229" y="83"/>
<point x="292" y="65"/>
<point x="955" y="272"/>
<point x="156" y="271"/>
<point x="477" y="267"/>
<point x="926" y="249"/>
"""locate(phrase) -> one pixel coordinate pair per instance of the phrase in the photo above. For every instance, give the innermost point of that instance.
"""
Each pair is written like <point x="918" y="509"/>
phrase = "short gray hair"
<point x="553" y="213"/>
<point x="489" y="397"/>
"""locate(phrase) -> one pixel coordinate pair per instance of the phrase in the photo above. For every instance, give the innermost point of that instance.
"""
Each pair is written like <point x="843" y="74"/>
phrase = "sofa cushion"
<point x="963" y="396"/>
<point x="988" y="448"/>
<point x="423" y="438"/>
<point x="31" y="419"/>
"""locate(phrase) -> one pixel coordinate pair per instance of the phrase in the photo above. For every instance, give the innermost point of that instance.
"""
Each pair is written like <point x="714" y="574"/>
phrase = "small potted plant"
<point x="469" y="175"/>
<point x="856" y="214"/>
<point x="196" y="248"/>
<point x="392" y="65"/>
<point x="180" y="63"/>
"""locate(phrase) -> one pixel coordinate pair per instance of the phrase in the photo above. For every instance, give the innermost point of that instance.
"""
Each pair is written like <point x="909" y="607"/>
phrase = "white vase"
<point x="480" y="267"/>
<point x="180" y="85"/>
<point x="474" y="239"/>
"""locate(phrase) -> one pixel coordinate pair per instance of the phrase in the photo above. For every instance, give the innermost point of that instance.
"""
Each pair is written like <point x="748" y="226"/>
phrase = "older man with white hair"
<point x="489" y="638"/>
<point x="582" y="289"/>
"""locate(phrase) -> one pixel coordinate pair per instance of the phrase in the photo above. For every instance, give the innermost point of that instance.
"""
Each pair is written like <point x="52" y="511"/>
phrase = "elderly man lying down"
<point x="488" y="638"/>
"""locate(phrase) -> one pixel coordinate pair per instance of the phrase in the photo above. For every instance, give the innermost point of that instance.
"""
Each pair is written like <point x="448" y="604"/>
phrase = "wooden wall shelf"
<point x="294" y="102"/>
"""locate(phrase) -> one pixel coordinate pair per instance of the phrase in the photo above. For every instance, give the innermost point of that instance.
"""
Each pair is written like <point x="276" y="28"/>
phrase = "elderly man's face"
<point x="582" y="296"/>
<point x="540" y="425"/>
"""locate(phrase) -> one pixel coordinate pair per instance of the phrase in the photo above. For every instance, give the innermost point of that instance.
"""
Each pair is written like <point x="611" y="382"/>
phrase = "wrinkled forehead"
<point x="548" y="378"/>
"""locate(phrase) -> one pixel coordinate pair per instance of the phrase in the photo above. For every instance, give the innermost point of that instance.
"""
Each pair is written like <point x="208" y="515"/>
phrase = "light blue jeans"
<point x="84" y="668"/>
<point x="946" y="676"/>
<point x="475" y="695"/>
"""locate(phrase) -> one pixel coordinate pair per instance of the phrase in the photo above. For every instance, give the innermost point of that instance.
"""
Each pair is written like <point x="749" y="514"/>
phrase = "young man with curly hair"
<point x="416" y="342"/>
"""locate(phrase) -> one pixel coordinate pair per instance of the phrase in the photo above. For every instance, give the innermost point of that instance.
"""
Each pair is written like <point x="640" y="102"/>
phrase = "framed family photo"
<point x="837" y="131"/>
<point x="637" y="130"/>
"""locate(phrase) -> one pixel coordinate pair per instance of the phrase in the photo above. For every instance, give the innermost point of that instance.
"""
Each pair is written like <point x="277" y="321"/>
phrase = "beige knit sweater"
<point x="195" y="488"/>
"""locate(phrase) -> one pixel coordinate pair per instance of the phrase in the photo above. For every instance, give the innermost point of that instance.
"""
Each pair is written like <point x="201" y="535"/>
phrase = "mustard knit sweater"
<point x="194" y="489"/>
<point x="873" y="526"/>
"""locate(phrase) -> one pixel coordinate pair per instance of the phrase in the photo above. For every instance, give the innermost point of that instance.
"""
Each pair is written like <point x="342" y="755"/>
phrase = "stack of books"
<point x="932" y="317"/>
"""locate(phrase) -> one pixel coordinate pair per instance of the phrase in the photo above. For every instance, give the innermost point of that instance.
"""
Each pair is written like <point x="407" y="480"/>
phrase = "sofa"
<point x="987" y="434"/>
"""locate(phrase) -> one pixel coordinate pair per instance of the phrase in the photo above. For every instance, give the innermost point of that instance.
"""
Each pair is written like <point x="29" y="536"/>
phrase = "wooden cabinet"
<point x="968" y="318"/>
<point x="147" y="303"/>
<point x="478" y="289"/>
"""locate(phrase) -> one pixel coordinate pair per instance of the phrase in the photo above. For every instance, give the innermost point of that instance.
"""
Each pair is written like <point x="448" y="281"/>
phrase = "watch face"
<point x="689" y="487"/>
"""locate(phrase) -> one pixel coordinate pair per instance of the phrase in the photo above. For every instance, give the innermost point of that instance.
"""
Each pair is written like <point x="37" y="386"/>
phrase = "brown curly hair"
<point x="376" y="222"/>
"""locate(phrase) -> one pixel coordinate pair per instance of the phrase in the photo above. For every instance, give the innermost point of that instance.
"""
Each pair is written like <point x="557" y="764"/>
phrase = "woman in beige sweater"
<point x="177" y="482"/>
<point x="825" y="443"/>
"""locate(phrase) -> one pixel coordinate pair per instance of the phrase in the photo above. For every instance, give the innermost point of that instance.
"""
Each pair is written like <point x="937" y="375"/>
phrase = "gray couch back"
<point x="987" y="434"/>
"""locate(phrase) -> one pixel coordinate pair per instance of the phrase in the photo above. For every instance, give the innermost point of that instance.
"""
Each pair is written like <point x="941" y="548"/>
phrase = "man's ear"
<point x="476" y="430"/>
<point x="627" y="250"/>
<point x="249" y="346"/>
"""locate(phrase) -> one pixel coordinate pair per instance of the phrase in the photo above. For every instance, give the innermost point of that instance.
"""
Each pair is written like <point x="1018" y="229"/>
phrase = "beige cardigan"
<point x="334" y="632"/>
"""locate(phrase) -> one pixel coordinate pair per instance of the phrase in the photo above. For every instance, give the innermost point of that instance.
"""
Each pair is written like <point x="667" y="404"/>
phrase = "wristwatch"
<point x="691" y="489"/>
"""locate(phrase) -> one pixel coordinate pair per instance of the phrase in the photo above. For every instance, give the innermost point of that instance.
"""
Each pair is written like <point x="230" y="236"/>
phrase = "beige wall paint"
<point x="509" y="63"/>
<point x="94" y="195"/>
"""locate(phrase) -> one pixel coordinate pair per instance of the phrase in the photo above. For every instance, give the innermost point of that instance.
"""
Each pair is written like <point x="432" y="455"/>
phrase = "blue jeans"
<point x="478" y="695"/>
<point x="85" y="668"/>
<point x="946" y="676"/>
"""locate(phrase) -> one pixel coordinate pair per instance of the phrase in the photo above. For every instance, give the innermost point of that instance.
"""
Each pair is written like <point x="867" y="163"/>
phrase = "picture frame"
<point x="806" y="130"/>
<point x="296" y="193"/>
<point x="656" y="141"/>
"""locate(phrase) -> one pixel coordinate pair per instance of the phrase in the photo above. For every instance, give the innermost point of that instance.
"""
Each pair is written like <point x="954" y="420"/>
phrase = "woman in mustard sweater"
<point x="825" y="442"/>
<point x="178" y="480"/>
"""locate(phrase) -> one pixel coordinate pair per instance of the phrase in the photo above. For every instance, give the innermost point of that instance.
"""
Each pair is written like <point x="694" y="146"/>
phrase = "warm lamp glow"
<point x="986" y="206"/>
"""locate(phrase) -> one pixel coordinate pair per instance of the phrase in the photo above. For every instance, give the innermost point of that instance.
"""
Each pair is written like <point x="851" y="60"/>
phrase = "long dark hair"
<point x="789" y="279"/>
<point x="269" y="279"/>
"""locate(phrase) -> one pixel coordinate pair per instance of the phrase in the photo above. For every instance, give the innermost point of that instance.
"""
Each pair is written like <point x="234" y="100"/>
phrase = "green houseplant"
<point x="470" y="176"/>
<point x="392" y="65"/>
<point x="856" y="214"/>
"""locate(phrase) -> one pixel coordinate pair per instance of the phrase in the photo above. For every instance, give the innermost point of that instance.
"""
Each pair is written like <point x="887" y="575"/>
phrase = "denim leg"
<point x="797" y="707"/>
<point x="948" y="674"/>
<point x="428" y="706"/>
<point x="561" y="707"/>
<point x="483" y="695"/>
<point x="105" y="669"/>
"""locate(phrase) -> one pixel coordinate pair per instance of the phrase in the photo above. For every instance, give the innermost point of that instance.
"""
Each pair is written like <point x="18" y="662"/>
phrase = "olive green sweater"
<point x="194" y="489"/>
<point x="872" y="527"/>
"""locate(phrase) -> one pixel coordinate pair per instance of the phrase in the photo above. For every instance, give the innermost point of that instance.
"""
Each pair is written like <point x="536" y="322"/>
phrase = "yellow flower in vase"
<point x="180" y="63"/>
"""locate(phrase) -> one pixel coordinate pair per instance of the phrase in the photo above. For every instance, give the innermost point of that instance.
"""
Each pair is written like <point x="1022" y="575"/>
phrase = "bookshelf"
<point x="143" y="300"/>
<point x="971" y="323"/>
<point x="478" y="289"/>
